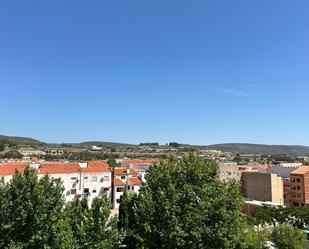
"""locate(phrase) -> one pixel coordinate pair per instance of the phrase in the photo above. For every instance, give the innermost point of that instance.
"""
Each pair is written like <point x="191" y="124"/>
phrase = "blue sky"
<point x="197" y="72"/>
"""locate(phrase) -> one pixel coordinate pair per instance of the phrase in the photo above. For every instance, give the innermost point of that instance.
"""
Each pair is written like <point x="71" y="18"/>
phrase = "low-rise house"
<point x="141" y="166"/>
<point x="125" y="179"/>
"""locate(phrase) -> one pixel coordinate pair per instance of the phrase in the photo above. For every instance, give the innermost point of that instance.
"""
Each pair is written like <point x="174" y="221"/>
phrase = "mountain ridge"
<point x="241" y="148"/>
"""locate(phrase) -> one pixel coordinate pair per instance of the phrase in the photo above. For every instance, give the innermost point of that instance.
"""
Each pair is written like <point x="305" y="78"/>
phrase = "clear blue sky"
<point x="197" y="72"/>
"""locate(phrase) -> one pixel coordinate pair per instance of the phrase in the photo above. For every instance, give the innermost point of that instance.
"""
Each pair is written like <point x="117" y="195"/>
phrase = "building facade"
<point x="262" y="187"/>
<point x="299" y="187"/>
<point x="125" y="179"/>
<point x="79" y="179"/>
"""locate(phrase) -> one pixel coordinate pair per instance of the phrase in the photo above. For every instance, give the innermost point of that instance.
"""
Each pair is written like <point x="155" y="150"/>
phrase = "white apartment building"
<point x="124" y="179"/>
<point x="90" y="179"/>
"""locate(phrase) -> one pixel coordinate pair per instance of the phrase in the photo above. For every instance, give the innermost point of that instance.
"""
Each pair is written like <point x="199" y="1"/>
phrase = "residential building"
<point x="299" y="186"/>
<point x="90" y="179"/>
<point x="229" y="171"/>
<point x="124" y="179"/>
<point x="287" y="191"/>
<point x="141" y="166"/>
<point x="262" y="187"/>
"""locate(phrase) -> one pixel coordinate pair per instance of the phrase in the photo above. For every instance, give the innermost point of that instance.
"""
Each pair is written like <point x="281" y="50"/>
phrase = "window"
<point x="123" y="177"/>
<point x="132" y="187"/>
<point x="73" y="178"/>
<point x="118" y="201"/>
<point x="106" y="178"/>
<point x="298" y="187"/>
<point x="298" y="179"/>
<point x="94" y="179"/>
<point x="119" y="189"/>
<point x="105" y="189"/>
<point x="73" y="191"/>
<point x="86" y="190"/>
<point x="94" y="190"/>
<point x="86" y="178"/>
<point x="57" y="180"/>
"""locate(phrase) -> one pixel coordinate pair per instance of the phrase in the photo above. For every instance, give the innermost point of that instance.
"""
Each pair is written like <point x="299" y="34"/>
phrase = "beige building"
<point x="229" y="171"/>
<point x="262" y="187"/>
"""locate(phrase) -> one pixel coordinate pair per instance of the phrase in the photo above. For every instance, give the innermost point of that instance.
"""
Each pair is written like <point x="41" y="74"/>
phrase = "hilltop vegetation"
<point x="261" y="149"/>
<point x="240" y="148"/>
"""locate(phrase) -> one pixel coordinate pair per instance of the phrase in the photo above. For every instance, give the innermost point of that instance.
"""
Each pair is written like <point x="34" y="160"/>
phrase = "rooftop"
<point x="300" y="171"/>
<point x="9" y="168"/>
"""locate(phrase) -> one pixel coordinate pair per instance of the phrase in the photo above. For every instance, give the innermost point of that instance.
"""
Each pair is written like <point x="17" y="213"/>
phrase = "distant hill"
<point x="100" y="143"/>
<point x="28" y="140"/>
<point x="243" y="148"/>
<point x="21" y="140"/>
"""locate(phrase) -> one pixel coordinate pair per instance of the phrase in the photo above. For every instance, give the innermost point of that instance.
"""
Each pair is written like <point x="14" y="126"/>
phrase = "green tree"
<point x="126" y="219"/>
<point x="2" y="146"/>
<point x="286" y="237"/>
<point x="184" y="205"/>
<point x="13" y="154"/>
<point x="254" y="238"/>
<point x="112" y="162"/>
<point x="92" y="227"/>
<point x="32" y="213"/>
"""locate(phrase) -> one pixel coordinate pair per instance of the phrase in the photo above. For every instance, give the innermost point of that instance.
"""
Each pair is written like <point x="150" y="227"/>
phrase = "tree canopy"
<point x="33" y="215"/>
<point x="183" y="205"/>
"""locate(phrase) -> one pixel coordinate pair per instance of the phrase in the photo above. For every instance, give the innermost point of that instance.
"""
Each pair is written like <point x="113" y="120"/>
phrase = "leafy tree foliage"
<point x="33" y="216"/>
<point x="31" y="213"/>
<point x="2" y="145"/>
<point x="149" y="144"/>
<point x="254" y="238"/>
<point x="12" y="154"/>
<point x="295" y="216"/>
<point x="286" y="237"/>
<point x="174" y="144"/>
<point x="126" y="222"/>
<point x="112" y="162"/>
<point x="184" y="205"/>
<point x="92" y="228"/>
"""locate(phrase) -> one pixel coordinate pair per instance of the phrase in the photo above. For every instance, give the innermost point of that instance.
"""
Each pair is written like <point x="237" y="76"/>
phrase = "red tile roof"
<point x="123" y="171"/>
<point x="10" y="168"/>
<point x="97" y="166"/>
<point x="300" y="171"/>
<point x="118" y="182"/>
<point x="58" y="168"/>
<point x="55" y="167"/>
<point x="135" y="181"/>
